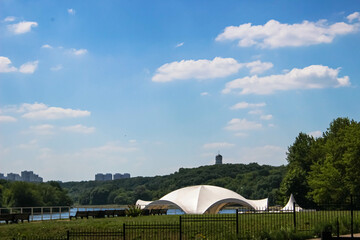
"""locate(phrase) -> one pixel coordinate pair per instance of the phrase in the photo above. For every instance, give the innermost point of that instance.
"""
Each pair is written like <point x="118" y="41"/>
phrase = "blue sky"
<point x="147" y="87"/>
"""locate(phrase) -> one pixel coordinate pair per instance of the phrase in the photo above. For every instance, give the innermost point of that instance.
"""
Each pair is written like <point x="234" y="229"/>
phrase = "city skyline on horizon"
<point x="150" y="87"/>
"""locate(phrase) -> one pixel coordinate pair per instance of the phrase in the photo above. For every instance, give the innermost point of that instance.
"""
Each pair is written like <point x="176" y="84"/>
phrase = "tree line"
<point x="25" y="194"/>
<point x="252" y="181"/>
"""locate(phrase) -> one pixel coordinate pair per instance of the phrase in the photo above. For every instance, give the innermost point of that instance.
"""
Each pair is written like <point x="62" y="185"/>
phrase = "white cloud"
<point x="71" y="11"/>
<point x="255" y="112"/>
<point x="218" y="145"/>
<point x="204" y="93"/>
<point x="79" y="129"/>
<point x="179" y="44"/>
<point x="275" y="34"/>
<point x="315" y="134"/>
<point x="40" y="111"/>
<point x="78" y="52"/>
<point x="22" y="27"/>
<point x="237" y="124"/>
<point x="9" y="19"/>
<point x="311" y="77"/>
<point x="46" y="46"/>
<point x="56" y="68"/>
<point x="44" y="129"/>
<point x="29" y="67"/>
<point x="196" y="69"/>
<point x="243" y="105"/>
<point x="354" y="16"/>
<point x="5" y="65"/>
<point x="266" y="117"/>
<point x="7" y="119"/>
<point x="257" y="67"/>
<point x="132" y="141"/>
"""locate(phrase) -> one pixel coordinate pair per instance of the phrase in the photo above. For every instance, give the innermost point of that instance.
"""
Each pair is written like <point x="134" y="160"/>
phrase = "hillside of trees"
<point x="24" y="194"/>
<point x="251" y="181"/>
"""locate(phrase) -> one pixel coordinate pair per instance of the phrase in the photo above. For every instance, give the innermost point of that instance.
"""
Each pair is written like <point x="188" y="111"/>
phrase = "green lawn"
<point x="220" y="226"/>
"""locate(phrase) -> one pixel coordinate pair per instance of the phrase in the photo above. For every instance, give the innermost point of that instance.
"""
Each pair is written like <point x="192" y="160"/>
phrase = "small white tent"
<point x="290" y="205"/>
<point x="203" y="199"/>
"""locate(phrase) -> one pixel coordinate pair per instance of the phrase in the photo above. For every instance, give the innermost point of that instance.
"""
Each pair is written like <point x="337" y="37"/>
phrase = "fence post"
<point x="67" y="234"/>
<point x="352" y="216"/>
<point x="180" y="228"/>
<point x="294" y="213"/>
<point x="237" y="222"/>
<point x="123" y="231"/>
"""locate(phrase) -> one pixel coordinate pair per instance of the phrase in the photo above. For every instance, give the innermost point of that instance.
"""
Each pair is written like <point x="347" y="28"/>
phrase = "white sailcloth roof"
<point x="204" y="199"/>
<point x="290" y="205"/>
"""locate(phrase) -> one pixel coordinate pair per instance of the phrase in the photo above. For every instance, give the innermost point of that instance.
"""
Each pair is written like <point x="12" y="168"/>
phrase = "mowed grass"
<point x="58" y="228"/>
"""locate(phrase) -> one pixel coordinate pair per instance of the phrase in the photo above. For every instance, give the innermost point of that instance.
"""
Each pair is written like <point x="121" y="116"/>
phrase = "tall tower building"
<point x="218" y="159"/>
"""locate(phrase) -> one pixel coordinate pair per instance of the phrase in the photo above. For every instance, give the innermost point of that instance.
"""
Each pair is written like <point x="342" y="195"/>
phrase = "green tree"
<point x="299" y="159"/>
<point x="335" y="174"/>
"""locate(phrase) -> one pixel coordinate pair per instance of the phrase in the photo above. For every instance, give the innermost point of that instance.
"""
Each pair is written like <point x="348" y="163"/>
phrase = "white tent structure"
<point x="290" y="205"/>
<point x="202" y="199"/>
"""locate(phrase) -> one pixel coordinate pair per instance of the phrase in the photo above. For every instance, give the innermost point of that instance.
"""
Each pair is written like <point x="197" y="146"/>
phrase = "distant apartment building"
<point x="109" y="176"/>
<point x="121" y="176"/>
<point x="26" y="176"/>
<point x="99" y="177"/>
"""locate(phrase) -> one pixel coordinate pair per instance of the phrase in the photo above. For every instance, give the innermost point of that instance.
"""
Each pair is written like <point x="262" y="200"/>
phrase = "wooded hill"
<point x="252" y="181"/>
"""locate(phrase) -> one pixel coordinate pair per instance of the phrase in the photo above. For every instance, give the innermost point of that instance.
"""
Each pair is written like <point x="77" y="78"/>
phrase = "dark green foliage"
<point x="23" y="194"/>
<point x="251" y="181"/>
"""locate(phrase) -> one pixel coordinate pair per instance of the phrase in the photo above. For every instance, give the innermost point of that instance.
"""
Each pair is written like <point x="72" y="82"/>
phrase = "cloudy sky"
<point x="147" y="87"/>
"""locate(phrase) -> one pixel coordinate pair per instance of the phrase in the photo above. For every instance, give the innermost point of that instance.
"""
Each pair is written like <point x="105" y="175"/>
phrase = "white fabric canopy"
<point x="203" y="199"/>
<point x="290" y="205"/>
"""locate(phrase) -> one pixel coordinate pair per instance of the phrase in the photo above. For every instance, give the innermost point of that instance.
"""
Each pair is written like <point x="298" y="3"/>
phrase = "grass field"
<point x="220" y="226"/>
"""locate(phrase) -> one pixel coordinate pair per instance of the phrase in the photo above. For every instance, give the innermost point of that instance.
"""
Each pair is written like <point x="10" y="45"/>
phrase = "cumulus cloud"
<point x="237" y="124"/>
<point x="257" y="67"/>
<point x="204" y="93"/>
<point x="353" y="17"/>
<point x="5" y="65"/>
<point x="243" y="105"/>
<point x="9" y="19"/>
<point x="315" y="134"/>
<point x="196" y="69"/>
<point x="46" y="46"/>
<point x="71" y="11"/>
<point x="40" y="111"/>
<point x="78" y="52"/>
<point x="22" y="27"/>
<point x="29" y="67"/>
<point x="218" y="145"/>
<point x="79" y="129"/>
<point x="274" y="34"/>
<point x="179" y="44"/>
<point x="7" y="119"/>
<point x="311" y="77"/>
